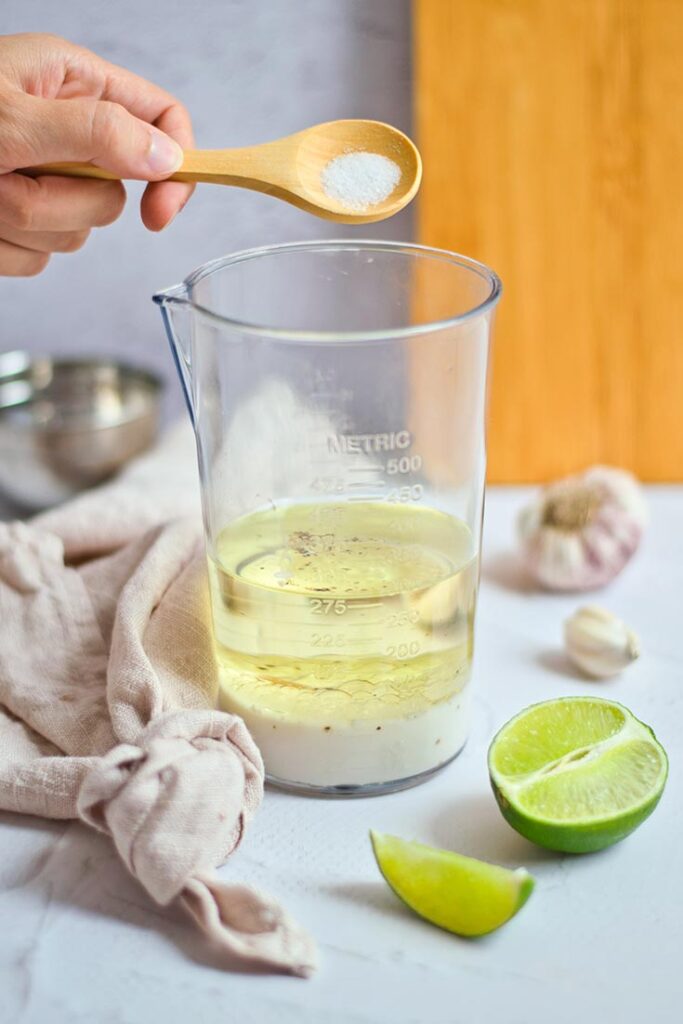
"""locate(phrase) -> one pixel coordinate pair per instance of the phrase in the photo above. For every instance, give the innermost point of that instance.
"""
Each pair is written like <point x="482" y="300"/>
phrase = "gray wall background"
<point x="248" y="70"/>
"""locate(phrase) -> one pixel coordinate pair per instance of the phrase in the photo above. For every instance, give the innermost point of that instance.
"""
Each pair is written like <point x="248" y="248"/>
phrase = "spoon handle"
<point x="251" y="167"/>
<point x="71" y="170"/>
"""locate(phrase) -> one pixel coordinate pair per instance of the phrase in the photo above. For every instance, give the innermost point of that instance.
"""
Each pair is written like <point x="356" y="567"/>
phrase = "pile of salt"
<point x="360" y="179"/>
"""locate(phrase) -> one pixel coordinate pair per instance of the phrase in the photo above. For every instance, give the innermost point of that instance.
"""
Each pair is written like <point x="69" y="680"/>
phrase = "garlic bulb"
<point x="580" y="532"/>
<point x="599" y="643"/>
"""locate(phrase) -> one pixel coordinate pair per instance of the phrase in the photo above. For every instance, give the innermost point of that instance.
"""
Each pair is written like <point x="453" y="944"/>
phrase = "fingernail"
<point x="164" y="156"/>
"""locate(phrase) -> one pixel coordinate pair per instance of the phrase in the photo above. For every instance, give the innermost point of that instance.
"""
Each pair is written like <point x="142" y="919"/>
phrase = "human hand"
<point x="60" y="102"/>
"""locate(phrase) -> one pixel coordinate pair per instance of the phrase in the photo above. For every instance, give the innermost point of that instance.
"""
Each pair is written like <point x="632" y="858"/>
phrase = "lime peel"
<point x="459" y="894"/>
<point x="603" y="775"/>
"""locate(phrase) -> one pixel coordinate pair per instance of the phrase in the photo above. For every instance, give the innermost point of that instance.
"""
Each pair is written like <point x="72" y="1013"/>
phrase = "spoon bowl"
<point x="291" y="168"/>
<point x="324" y="142"/>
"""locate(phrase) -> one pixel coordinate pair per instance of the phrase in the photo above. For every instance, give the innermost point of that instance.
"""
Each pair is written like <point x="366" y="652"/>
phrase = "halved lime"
<point x="576" y="774"/>
<point x="460" y="894"/>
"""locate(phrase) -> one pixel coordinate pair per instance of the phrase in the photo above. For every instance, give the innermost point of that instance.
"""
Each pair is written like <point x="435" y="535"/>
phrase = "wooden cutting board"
<point x="552" y="138"/>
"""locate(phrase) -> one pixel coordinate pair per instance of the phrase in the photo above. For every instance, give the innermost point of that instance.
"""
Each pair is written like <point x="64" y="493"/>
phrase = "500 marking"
<point x="406" y="464"/>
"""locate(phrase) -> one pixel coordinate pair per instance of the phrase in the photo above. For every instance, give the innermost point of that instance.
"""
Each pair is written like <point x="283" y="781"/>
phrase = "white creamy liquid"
<point x="361" y="753"/>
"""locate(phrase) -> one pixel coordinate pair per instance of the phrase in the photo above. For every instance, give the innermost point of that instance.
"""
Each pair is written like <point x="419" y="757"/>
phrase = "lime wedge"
<point x="576" y="774"/>
<point x="460" y="894"/>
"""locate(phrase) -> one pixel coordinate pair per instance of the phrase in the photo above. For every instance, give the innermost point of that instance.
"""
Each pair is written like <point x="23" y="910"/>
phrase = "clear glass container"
<point x="338" y="395"/>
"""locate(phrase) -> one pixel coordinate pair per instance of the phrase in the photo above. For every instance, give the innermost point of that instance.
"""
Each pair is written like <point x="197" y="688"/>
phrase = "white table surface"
<point x="600" y="939"/>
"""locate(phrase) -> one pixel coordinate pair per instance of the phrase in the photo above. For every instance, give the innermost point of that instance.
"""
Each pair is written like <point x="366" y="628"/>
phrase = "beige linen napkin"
<point x="107" y="696"/>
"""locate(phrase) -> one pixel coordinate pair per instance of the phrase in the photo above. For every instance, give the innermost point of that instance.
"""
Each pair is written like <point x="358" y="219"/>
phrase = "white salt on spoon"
<point x="360" y="179"/>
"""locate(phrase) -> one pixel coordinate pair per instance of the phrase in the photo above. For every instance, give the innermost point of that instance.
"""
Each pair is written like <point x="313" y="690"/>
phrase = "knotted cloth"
<point x="107" y="694"/>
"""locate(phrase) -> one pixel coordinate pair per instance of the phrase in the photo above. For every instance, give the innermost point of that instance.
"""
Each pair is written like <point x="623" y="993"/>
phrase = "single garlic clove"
<point x="579" y="533"/>
<point x="599" y="643"/>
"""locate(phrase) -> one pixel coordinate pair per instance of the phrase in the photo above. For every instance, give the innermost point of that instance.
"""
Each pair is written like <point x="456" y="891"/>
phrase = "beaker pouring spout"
<point x="176" y="310"/>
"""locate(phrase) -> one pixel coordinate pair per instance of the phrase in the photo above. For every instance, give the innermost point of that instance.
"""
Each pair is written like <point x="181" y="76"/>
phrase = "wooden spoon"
<point x="290" y="168"/>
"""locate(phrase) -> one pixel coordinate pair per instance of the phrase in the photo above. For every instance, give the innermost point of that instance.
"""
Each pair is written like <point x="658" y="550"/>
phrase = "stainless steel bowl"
<point x="66" y="424"/>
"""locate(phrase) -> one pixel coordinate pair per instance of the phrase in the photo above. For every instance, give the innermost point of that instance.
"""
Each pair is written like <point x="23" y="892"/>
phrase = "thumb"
<point x="104" y="133"/>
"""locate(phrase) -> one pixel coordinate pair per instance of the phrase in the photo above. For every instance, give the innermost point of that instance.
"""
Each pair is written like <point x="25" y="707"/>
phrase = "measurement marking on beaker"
<point x="285" y="622"/>
<point x="357" y="641"/>
<point x="349" y="636"/>
<point x="364" y="469"/>
<point x="363" y="497"/>
<point x="366" y="483"/>
<point x="367" y="604"/>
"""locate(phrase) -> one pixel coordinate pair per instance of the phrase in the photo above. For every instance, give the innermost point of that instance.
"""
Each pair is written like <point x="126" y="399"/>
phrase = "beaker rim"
<point x="182" y="294"/>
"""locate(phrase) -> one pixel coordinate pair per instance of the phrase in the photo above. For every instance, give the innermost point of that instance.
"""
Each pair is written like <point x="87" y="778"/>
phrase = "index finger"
<point x="141" y="97"/>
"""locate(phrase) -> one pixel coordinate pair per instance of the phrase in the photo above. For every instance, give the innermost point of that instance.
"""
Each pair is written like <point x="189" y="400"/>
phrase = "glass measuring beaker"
<point x="338" y="395"/>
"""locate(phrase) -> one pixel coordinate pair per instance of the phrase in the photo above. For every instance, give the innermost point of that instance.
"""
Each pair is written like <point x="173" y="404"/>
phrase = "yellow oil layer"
<point x="329" y="613"/>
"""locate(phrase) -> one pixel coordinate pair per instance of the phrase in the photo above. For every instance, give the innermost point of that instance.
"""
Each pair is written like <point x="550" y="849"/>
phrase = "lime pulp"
<point x="576" y="774"/>
<point x="460" y="894"/>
